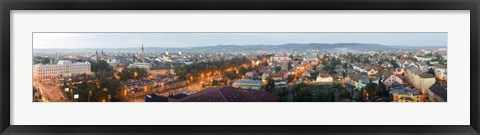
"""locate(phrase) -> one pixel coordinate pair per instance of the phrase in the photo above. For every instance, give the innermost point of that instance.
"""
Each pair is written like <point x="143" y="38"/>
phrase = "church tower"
<point x="134" y="59"/>
<point x="56" y="58"/>
<point x="142" y="54"/>
<point x="96" y="55"/>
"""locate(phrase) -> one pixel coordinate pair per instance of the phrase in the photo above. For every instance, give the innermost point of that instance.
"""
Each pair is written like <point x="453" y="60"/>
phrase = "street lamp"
<point x="145" y="89"/>
<point x="71" y="94"/>
<point x="125" y="94"/>
<point x="89" y="95"/>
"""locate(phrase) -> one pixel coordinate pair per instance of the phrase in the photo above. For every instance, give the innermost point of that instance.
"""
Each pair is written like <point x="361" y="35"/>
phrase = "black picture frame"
<point x="7" y="5"/>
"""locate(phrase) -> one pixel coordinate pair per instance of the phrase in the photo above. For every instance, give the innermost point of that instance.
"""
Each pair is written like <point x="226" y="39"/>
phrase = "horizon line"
<point x="251" y="45"/>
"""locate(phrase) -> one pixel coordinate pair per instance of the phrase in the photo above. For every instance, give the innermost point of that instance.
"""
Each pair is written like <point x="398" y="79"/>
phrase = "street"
<point x="50" y="93"/>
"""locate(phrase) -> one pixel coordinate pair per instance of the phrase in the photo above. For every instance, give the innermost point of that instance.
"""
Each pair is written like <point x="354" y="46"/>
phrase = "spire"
<point x="96" y="55"/>
<point x="56" y="57"/>
<point x="134" y="58"/>
<point x="142" y="55"/>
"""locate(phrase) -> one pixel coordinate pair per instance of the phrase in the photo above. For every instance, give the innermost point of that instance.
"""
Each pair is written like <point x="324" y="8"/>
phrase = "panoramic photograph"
<point x="240" y="67"/>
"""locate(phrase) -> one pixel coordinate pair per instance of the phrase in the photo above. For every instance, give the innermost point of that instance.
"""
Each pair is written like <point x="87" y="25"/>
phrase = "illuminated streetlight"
<point x="125" y="94"/>
<point x="89" y="95"/>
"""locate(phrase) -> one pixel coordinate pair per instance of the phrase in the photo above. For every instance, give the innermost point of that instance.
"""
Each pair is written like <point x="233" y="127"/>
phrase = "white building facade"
<point x="141" y="65"/>
<point x="63" y="68"/>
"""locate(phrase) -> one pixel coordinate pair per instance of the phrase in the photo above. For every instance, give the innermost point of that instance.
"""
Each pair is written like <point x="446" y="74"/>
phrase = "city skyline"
<point x="340" y="71"/>
<point x="189" y="40"/>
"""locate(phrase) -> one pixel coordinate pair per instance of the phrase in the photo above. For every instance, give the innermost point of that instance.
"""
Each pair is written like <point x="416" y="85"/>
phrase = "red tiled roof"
<point x="230" y="94"/>
<point x="324" y="75"/>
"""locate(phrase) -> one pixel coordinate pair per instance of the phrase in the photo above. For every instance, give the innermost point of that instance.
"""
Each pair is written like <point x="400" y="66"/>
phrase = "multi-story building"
<point x="419" y="79"/>
<point x="391" y="79"/>
<point x="310" y="58"/>
<point x="141" y="65"/>
<point x="63" y="68"/>
<point x="400" y="94"/>
<point x="423" y="58"/>
<point x="160" y="72"/>
<point x="437" y="94"/>
<point x="324" y="78"/>
<point x="247" y="84"/>
<point x="441" y="71"/>
<point x="280" y="58"/>
<point x="359" y="67"/>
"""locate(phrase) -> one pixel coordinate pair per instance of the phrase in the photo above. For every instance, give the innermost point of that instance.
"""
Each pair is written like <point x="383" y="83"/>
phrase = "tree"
<point x="317" y="93"/>
<point x="181" y="72"/>
<point x="100" y="65"/>
<point x="45" y="60"/>
<point x="277" y="69"/>
<point x="442" y="62"/>
<point x="314" y="75"/>
<point x="345" y="94"/>
<point x="345" y="65"/>
<point x="334" y="61"/>
<point x="196" y="69"/>
<point x="380" y="62"/>
<point x="132" y="73"/>
<point x="371" y="90"/>
<point x="366" y="60"/>
<point x="281" y="93"/>
<point x="394" y="63"/>
<point x="429" y="54"/>
<point x="242" y="70"/>
<point x="431" y="71"/>
<point x="270" y="84"/>
<point x="289" y="66"/>
<point x="79" y="60"/>
<point x="290" y="78"/>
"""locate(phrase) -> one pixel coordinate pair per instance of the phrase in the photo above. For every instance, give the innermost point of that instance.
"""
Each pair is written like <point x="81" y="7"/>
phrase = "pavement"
<point x="50" y="93"/>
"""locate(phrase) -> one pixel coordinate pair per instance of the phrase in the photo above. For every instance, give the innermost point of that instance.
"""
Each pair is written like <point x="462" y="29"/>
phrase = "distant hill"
<point x="291" y="47"/>
<point x="413" y="48"/>
<point x="295" y="47"/>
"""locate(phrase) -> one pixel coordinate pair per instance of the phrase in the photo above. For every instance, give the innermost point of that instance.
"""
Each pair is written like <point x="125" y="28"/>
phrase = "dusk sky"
<point x="125" y="40"/>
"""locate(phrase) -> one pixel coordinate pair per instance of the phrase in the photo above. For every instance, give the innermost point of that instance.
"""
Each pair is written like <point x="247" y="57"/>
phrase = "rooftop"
<point x="248" y="81"/>
<point x="230" y="94"/>
<point x="439" y="91"/>
<point x="426" y="75"/>
<point x="155" y="98"/>
<point x="403" y="91"/>
<point x="406" y="98"/>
